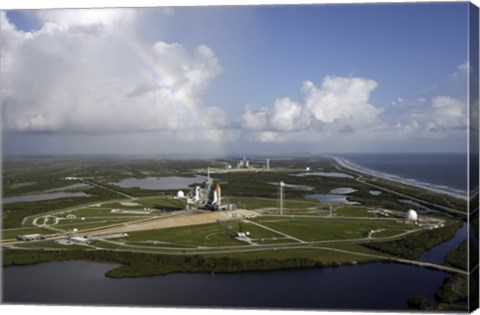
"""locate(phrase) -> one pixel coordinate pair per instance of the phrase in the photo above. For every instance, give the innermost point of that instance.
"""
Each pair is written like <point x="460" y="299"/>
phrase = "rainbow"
<point x="145" y="54"/>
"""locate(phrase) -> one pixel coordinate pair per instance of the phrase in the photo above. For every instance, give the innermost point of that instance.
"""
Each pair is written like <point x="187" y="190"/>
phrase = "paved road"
<point x="275" y="231"/>
<point x="109" y="189"/>
<point x="69" y="209"/>
<point x="401" y="260"/>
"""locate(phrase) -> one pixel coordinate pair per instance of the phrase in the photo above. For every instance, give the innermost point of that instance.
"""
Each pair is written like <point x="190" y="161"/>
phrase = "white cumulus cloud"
<point x="81" y="72"/>
<point x="288" y="115"/>
<point x="255" y="120"/>
<point x="338" y="104"/>
<point x="342" y="99"/>
<point x="67" y="18"/>
<point x="448" y="112"/>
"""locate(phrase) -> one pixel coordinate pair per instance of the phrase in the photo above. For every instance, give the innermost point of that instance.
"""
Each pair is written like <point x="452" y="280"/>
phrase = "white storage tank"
<point x="411" y="215"/>
<point x="180" y="194"/>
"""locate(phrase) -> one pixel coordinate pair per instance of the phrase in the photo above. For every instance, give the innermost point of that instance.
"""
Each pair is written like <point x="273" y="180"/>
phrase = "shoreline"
<point x="344" y="163"/>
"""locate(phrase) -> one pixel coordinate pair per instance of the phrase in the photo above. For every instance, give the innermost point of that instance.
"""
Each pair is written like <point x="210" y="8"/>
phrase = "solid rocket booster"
<point x="218" y="193"/>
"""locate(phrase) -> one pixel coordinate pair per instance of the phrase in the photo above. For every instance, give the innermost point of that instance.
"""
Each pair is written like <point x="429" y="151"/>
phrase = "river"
<point x="372" y="286"/>
<point x="437" y="254"/>
<point x="159" y="183"/>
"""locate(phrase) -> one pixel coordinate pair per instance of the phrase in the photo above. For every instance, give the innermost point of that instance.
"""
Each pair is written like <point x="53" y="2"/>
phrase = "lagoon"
<point x="160" y="183"/>
<point x="343" y="190"/>
<point x="326" y="174"/>
<point x="40" y="197"/>
<point x="332" y="199"/>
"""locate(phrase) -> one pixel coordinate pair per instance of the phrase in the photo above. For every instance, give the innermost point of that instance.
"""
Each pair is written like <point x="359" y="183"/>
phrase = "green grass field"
<point x="105" y="213"/>
<point x="51" y="245"/>
<point x="150" y="202"/>
<point x="12" y="233"/>
<point x="387" y="233"/>
<point x="163" y="245"/>
<point x="276" y="240"/>
<point x="258" y="203"/>
<point x="162" y="202"/>
<point x="320" y="212"/>
<point x="197" y="235"/>
<point x="90" y="212"/>
<point x="256" y="232"/>
<point x="352" y="211"/>
<point x="310" y="229"/>
<point x="107" y="245"/>
<point x="87" y="225"/>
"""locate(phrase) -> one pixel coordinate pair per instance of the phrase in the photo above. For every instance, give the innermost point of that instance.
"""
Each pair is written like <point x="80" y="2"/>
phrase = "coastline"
<point x="344" y="163"/>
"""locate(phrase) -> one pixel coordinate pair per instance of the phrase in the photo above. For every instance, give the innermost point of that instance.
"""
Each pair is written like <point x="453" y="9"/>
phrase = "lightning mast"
<point x="281" y="184"/>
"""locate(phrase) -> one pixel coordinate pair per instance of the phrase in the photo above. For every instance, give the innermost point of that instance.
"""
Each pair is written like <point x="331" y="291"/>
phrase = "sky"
<point x="215" y="81"/>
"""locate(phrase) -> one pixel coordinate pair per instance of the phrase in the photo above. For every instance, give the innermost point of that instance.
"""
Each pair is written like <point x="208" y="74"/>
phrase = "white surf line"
<point x="425" y="202"/>
<point x="275" y="231"/>
<point x="394" y="178"/>
<point x="448" y="209"/>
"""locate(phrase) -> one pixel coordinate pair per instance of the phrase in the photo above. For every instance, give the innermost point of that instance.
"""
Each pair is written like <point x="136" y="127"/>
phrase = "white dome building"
<point x="180" y="194"/>
<point x="411" y="216"/>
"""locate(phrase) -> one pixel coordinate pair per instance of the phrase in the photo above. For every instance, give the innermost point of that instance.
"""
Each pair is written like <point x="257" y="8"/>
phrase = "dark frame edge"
<point x="473" y="157"/>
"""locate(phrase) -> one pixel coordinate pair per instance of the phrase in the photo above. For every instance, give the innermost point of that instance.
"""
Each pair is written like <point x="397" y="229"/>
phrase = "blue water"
<point x="443" y="171"/>
<point x="373" y="286"/>
<point x="437" y="254"/>
<point x="40" y="197"/>
<point x="326" y="174"/>
<point x="333" y="199"/>
<point x="158" y="183"/>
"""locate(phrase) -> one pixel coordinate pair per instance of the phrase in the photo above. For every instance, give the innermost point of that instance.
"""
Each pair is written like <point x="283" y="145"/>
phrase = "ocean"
<point x="441" y="172"/>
